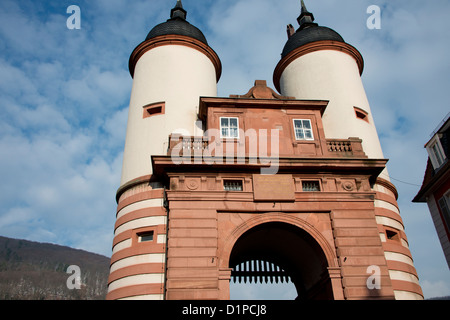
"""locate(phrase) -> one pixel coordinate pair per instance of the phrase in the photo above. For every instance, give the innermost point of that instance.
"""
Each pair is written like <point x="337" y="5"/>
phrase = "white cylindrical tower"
<point x="171" y="70"/>
<point x="317" y="64"/>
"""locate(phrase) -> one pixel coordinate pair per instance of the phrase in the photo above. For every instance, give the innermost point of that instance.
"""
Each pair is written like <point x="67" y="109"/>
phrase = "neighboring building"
<point x="435" y="190"/>
<point x="263" y="186"/>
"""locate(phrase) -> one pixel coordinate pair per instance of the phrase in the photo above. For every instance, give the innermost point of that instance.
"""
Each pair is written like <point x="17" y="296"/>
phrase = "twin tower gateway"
<point x="198" y="206"/>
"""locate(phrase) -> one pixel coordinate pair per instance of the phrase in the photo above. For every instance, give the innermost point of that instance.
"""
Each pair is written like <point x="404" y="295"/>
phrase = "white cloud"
<point x="59" y="194"/>
<point x="64" y="103"/>
<point x="15" y="216"/>
<point x="115" y="128"/>
<point x="15" y="82"/>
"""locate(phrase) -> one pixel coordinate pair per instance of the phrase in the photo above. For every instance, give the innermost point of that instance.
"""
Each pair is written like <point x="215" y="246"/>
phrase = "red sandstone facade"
<point x="327" y="239"/>
<point x="324" y="218"/>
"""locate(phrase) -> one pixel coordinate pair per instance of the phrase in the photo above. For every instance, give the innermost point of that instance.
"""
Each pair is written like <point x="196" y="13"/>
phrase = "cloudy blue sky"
<point x="64" y="96"/>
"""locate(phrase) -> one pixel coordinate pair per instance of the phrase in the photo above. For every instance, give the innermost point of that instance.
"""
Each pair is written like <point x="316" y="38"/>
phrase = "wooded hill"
<point x="38" y="271"/>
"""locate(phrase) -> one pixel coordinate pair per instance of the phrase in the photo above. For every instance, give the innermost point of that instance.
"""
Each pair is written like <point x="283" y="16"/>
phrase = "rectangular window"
<point x="229" y="128"/>
<point x="303" y="130"/>
<point x="392" y="235"/>
<point x="361" y="114"/>
<point x="436" y="152"/>
<point x="232" y="185"/>
<point x="154" y="109"/>
<point x="145" y="236"/>
<point x="310" y="186"/>
<point x="444" y="205"/>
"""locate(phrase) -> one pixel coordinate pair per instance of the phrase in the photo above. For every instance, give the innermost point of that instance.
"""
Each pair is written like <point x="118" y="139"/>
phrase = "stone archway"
<point x="280" y="247"/>
<point x="289" y="252"/>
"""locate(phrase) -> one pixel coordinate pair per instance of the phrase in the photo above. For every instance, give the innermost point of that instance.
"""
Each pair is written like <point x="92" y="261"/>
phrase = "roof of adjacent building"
<point x="434" y="175"/>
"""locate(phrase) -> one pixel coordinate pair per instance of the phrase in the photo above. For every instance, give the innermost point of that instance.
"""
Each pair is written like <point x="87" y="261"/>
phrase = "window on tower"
<point x="145" y="236"/>
<point x="392" y="235"/>
<point x="361" y="114"/>
<point x="229" y="127"/>
<point x="154" y="109"/>
<point x="303" y="129"/>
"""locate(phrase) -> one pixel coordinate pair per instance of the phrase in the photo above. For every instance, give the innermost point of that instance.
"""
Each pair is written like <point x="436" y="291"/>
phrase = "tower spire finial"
<point x="306" y="18"/>
<point x="178" y="11"/>
<point x="303" y="5"/>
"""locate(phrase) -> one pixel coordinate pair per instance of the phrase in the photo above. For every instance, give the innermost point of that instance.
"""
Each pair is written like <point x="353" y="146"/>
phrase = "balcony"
<point x="351" y="147"/>
<point x="186" y="146"/>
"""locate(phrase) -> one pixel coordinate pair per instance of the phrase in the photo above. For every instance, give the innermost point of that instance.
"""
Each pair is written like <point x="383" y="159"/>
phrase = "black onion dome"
<point x="177" y="25"/>
<point x="308" y="35"/>
<point x="308" y="32"/>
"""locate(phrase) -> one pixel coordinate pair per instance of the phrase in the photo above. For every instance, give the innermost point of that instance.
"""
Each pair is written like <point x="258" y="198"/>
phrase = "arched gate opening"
<point x="278" y="253"/>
